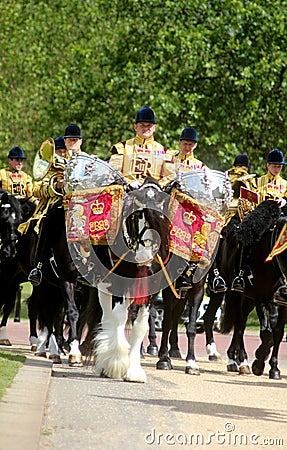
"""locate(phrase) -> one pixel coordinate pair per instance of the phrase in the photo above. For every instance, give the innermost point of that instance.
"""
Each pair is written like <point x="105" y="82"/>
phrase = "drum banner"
<point x="280" y="245"/>
<point x="195" y="228"/>
<point x="91" y="213"/>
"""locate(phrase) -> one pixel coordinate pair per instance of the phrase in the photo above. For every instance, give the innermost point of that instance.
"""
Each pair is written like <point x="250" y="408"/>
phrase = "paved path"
<point x="216" y="410"/>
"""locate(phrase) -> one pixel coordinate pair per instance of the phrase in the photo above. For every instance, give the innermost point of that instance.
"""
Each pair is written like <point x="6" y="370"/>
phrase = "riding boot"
<point x="238" y="284"/>
<point x="218" y="283"/>
<point x="35" y="276"/>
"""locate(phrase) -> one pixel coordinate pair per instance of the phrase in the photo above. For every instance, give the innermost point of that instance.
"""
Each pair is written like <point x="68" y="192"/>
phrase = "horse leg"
<point x="164" y="362"/>
<point x="42" y="341"/>
<point x="75" y="356"/>
<point x="4" y="339"/>
<point x="208" y="319"/>
<point x="174" y="351"/>
<point x="195" y="297"/>
<point x="266" y="337"/>
<point x="111" y="348"/>
<point x="54" y="350"/>
<point x="17" y="312"/>
<point x="152" y="348"/>
<point x="135" y="372"/>
<point x="7" y="310"/>
<point x="33" y="315"/>
<point x="278" y="333"/>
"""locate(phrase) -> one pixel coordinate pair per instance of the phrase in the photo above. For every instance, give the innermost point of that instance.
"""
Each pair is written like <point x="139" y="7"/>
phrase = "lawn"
<point x="10" y="363"/>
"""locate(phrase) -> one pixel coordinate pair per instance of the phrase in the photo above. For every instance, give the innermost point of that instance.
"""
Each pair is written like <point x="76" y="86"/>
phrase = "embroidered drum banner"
<point x="195" y="228"/>
<point x="91" y="213"/>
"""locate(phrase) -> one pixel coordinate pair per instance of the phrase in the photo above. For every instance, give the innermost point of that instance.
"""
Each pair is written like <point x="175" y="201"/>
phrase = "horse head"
<point x="10" y="219"/>
<point x="145" y="222"/>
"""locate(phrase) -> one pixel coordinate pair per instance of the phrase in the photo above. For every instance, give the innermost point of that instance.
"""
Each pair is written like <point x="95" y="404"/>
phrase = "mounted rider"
<point x="48" y="190"/>
<point x="142" y="156"/>
<point x="270" y="186"/>
<point x="13" y="179"/>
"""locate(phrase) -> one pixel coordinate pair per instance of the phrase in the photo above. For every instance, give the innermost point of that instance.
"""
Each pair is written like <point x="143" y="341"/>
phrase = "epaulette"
<point x="172" y="152"/>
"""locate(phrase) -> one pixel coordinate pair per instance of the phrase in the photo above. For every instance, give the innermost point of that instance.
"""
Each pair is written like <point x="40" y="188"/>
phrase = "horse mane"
<point x="6" y="197"/>
<point x="27" y="208"/>
<point x="257" y="222"/>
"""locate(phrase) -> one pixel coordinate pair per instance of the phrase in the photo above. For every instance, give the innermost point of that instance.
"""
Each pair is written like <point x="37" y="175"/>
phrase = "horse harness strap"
<point x="160" y="261"/>
<point x="275" y="260"/>
<point x="115" y="265"/>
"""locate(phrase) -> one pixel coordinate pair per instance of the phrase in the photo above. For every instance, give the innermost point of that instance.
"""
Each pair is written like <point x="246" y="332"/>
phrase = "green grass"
<point x="10" y="363"/>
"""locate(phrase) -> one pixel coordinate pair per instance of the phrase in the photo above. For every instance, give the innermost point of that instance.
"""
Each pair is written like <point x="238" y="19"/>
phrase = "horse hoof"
<point x="75" y="361"/>
<point x="33" y="348"/>
<point x="232" y="367"/>
<point x="152" y="350"/>
<point x="175" y="354"/>
<point x="275" y="374"/>
<point x="5" y="342"/>
<point x="41" y="354"/>
<point x="257" y="370"/>
<point x="214" y="358"/>
<point x="244" y="370"/>
<point x="192" y="370"/>
<point x="56" y="359"/>
<point x="164" y="364"/>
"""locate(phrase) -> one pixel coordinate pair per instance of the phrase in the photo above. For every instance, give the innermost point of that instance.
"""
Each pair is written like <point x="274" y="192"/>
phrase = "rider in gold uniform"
<point x="49" y="190"/>
<point x="270" y="186"/>
<point x="13" y="179"/>
<point x="185" y="159"/>
<point x="142" y="156"/>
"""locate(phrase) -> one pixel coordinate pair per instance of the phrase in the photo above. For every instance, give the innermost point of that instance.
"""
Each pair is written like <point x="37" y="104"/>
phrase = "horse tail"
<point x="231" y="311"/>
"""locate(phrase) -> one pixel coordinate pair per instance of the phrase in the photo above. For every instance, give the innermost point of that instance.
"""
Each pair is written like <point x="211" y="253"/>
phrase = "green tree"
<point x="217" y="65"/>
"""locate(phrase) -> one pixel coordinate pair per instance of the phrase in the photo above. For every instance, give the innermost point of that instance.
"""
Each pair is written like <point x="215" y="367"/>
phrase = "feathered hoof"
<point x="275" y="374"/>
<point x="41" y="354"/>
<point x="5" y="342"/>
<point x="244" y="370"/>
<point x="152" y="350"/>
<point x="56" y="359"/>
<point x="164" y="364"/>
<point x="33" y="348"/>
<point x="139" y="377"/>
<point x="214" y="358"/>
<point x="258" y="371"/>
<point x="232" y="367"/>
<point x="175" y="354"/>
<point x="192" y="370"/>
<point x="75" y="361"/>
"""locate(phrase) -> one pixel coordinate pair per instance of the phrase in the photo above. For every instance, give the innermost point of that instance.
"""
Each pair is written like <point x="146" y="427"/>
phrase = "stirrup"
<point x="280" y="296"/>
<point x="238" y="284"/>
<point x="218" y="284"/>
<point x="35" y="277"/>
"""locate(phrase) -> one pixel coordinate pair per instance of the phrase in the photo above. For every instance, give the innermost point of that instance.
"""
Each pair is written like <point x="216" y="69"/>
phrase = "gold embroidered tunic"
<point x="19" y="183"/>
<point x="271" y="187"/>
<point x="187" y="163"/>
<point x="139" y="158"/>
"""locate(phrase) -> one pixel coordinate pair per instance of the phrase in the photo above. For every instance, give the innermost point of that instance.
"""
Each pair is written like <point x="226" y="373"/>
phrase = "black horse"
<point x="135" y="275"/>
<point x="190" y="284"/>
<point x="256" y="234"/>
<point x="13" y="211"/>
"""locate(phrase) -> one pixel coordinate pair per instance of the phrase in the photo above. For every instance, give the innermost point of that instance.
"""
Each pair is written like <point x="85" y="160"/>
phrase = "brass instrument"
<point x="44" y="159"/>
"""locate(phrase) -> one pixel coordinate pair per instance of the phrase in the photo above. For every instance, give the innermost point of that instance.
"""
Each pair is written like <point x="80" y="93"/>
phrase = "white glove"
<point x="135" y="184"/>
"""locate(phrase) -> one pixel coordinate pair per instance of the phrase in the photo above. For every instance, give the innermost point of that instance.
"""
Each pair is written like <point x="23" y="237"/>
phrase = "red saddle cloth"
<point x="195" y="228"/>
<point x="92" y="214"/>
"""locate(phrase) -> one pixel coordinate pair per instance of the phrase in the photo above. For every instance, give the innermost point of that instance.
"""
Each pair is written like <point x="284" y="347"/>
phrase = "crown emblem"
<point x="97" y="207"/>
<point x="188" y="217"/>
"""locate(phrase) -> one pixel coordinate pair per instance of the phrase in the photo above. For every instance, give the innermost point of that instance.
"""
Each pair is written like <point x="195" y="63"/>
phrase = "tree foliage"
<point x="217" y="65"/>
